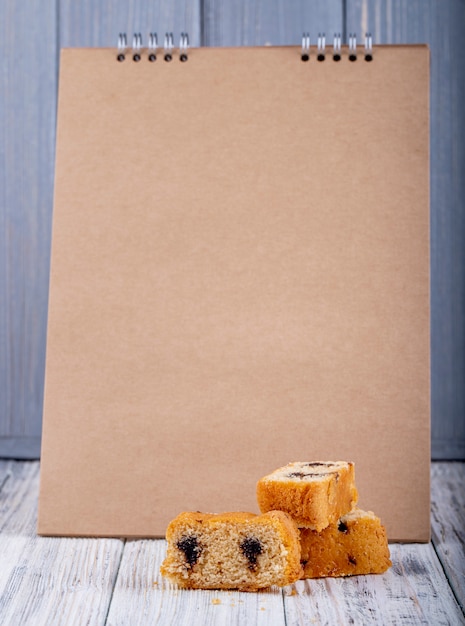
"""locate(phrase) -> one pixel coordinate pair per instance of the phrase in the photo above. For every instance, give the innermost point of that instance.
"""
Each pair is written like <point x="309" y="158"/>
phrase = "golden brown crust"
<point x="357" y="544"/>
<point x="290" y="536"/>
<point x="315" y="494"/>
<point x="237" y="550"/>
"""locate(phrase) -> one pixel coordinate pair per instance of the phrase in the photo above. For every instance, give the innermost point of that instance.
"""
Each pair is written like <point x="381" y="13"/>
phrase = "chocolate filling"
<point x="311" y="474"/>
<point x="251" y="549"/>
<point x="190" y="546"/>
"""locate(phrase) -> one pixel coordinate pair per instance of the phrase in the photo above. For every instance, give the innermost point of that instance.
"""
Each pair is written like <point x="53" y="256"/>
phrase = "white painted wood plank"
<point x="5" y="472"/>
<point x="70" y="581"/>
<point x="48" y="581"/>
<point x="448" y="522"/>
<point x="27" y="137"/>
<point x="440" y="23"/>
<point x="413" y="591"/>
<point x="142" y="596"/>
<point x="275" y="22"/>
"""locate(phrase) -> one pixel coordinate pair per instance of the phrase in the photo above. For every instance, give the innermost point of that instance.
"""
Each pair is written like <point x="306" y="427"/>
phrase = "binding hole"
<point x="136" y="58"/>
<point x="183" y="58"/>
<point x="320" y="57"/>
<point x="305" y="57"/>
<point x="352" y="57"/>
<point x="152" y="58"/>
<point x="368" y="57"/>
<point x="168" y="57"/>
<point x="120" y="57"/>
<point x="336" y="57"/>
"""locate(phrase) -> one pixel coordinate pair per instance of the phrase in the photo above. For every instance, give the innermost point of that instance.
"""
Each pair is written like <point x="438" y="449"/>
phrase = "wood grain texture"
<point x="48" y="581"/>
<point x="413" y="591"/>
<point x="28" y="101"/>
<point x="30" y="37"/>
<point x="448" y="522"/>
<point x="440" y="24"/>
<point x="275" y="22"/>
<point x="28" y="49"/>
<point x="142" y="596"/>
<point x="95" y="581"/>
<point x="97" y="24"/>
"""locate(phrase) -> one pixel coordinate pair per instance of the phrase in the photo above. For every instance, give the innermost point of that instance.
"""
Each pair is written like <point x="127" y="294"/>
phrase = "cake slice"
<point x="356" y="544"/>
<point x="232" y="551"/>
<point x="314" y="494"/>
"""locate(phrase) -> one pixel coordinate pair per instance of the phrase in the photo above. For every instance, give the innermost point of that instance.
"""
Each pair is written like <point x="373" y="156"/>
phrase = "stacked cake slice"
<point x="310" y="527"/>
<point x="236" y="550"/>
<point x="337" y="539"/>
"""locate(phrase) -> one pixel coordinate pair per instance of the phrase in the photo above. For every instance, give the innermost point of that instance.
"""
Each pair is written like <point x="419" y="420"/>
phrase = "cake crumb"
<point x="216" y="601"/>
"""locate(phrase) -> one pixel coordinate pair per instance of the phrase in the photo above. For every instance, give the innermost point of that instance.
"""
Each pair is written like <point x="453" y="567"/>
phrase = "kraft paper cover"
<point x="239" y="279"/>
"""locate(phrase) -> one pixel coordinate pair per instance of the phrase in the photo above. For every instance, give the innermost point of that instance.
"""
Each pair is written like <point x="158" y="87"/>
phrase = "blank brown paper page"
<point x="239" y="279"/>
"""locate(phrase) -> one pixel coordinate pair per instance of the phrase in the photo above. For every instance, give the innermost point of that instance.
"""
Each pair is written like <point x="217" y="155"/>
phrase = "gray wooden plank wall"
<point x="31" y="35"/>
<point x="441" y="24"/>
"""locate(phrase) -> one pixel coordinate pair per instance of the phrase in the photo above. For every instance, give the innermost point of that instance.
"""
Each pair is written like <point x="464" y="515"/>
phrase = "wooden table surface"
<point x="67" y="581"/>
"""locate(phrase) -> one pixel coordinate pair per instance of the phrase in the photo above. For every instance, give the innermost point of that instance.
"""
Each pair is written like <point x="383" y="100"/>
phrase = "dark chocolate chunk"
<point x="297" y="475"/>
<point x="304" y="475"/>
<point x="342" y="527"/>
<point x="251" y="548"/>
<point x="190" y="546"/>
<point x="352" y="560"/>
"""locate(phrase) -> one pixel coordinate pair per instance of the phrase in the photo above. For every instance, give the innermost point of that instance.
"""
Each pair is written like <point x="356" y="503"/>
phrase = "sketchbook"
<point x="239" y="279"/>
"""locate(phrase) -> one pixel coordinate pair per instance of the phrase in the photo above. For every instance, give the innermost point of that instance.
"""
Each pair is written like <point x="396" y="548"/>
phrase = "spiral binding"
<point x="136" y="47"/>
<point x="352" y="47"/>
<point x="183" y="47"/>
<point x="368" y="47"/>
<point x="122" y="45"/>
<point x="152" y="48"/>
<point x="337" y="47"/>
<point x="168" y="47"/>
<point x="305" y="54"/>
<point x="321" y="47"/>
